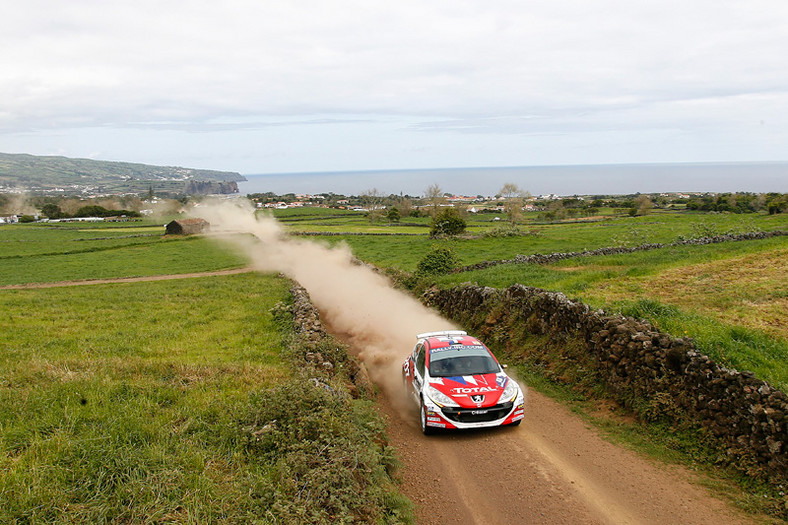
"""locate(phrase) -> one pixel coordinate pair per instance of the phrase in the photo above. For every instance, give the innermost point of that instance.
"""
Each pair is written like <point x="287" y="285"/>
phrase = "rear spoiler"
<point x="445" y="333"/>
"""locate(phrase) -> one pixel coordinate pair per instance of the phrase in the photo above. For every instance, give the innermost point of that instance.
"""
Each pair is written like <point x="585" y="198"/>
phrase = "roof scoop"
<point x="445" y="333"/>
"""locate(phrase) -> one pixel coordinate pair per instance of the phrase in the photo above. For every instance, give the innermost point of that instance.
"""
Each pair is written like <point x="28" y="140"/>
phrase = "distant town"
<point x="19" y="207"/>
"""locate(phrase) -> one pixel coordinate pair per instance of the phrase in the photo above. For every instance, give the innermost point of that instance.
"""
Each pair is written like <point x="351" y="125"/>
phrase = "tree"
<point x="447" y="222"/>
<point x="51" y="211"/>
<point x="373" y="201"/>
<point x="434" y="197"/>
<point x="513" y="196"/>
<point x="405" y="207"/>
<point x="393" y="214"/>
<point x="643" y="204"/>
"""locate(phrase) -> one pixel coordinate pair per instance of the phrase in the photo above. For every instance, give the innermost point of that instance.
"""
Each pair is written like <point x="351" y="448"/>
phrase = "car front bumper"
<point x="482" y="417"/>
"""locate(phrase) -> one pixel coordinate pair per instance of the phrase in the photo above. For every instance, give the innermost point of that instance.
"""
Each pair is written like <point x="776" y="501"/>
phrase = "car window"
<point x="420" y="358"/>
<point x="463" y="364"/>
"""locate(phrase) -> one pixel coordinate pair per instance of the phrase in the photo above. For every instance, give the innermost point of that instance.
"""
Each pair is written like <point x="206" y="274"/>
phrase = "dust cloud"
<point x="18" y="204"/>
<point x="358" y="304"/>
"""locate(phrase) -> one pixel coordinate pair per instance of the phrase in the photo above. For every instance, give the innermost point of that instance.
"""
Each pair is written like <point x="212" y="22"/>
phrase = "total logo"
<point x="472" y="390"/>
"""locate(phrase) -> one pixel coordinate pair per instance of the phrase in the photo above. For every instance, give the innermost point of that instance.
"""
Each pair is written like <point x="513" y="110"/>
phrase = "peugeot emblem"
<point x="479" y="398"/>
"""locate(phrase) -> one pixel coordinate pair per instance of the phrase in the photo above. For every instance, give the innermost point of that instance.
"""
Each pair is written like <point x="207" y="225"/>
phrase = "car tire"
<point x="427" y="431"/>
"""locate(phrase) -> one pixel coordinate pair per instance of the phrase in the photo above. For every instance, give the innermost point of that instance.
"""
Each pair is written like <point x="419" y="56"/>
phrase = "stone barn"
<point x="187" y="226"/>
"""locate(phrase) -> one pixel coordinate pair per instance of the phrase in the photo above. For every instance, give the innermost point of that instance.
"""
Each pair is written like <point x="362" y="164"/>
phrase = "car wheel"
<point x="423" y="419"/>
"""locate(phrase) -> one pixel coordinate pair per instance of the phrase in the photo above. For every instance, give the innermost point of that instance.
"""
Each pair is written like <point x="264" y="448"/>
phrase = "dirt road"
<point x="552" y="469"/>
<point x="88" y="282"/>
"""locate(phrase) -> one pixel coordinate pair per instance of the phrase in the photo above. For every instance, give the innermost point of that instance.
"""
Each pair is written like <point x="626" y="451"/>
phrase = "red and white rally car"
<point x="458" y="383"/>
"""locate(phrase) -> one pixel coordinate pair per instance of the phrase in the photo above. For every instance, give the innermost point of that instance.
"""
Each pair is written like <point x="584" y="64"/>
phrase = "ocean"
<point x="610" y="179"/>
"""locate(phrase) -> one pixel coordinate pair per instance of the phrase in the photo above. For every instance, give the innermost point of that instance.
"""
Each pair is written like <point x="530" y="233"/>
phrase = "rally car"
<point x="457" y="383"/>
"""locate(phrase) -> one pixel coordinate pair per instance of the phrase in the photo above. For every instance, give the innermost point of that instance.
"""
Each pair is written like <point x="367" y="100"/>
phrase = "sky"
<point x="304" y="85"/>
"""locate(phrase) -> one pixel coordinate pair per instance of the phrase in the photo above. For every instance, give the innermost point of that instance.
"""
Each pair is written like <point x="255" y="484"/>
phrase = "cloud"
<point x="553" y="68"/>
<point x="109" y="62"/>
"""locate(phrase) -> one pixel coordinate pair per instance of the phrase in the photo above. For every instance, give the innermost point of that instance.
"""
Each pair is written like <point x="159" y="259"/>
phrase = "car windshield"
<point x="467" y="361"/>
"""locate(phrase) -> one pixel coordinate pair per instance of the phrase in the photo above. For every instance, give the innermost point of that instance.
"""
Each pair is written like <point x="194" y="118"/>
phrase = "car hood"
<point x="465" y="390"/>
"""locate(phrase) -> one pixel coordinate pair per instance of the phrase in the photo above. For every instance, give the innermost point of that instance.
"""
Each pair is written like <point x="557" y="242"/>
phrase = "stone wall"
<point x="322" y="356"/>
<point x="614" y="250"/>
<point x="656" y="375"/>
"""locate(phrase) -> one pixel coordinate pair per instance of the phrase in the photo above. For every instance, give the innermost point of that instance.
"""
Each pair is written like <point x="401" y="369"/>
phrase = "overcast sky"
<point x="304" y="85"/>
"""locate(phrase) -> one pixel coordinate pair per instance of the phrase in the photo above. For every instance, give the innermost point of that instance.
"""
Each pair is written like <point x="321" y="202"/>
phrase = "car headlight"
<point x="509" y="392"/>
<point x="440" y="398"/>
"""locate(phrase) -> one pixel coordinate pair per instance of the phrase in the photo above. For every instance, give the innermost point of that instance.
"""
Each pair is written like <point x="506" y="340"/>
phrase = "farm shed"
<point x="186" y="226"/>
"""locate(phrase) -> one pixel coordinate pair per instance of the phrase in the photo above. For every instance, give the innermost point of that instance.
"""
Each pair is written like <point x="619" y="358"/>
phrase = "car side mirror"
<point x="504" y="366"/>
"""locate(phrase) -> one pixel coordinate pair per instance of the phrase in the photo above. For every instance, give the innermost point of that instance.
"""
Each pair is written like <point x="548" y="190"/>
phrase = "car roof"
<point x="454" y="341"/>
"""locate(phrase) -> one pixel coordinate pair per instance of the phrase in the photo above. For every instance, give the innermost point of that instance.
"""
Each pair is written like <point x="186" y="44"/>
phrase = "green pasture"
<point x="19" y="240"/>
<point x="404" y="252"/>
<point x="311" y="212"/>
<point x="574" y="276"/>
<point x="120" y="402"/>
<point x="37" y="255"/>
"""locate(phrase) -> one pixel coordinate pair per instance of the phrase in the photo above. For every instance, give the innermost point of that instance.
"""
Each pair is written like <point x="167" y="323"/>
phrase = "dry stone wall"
<point x="658" y="376"/>
<point x="321" y="355"/>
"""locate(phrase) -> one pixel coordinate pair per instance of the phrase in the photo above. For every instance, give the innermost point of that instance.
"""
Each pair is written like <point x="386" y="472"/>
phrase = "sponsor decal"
<point x="501" y="381"/>
<point x="477" y="398"/>
<point x="470" y="380"/>
<point x="439" y="425"/>
<point x="458" y="379"/>
<point x="479" y="412"/>
<point x="436" y="380"/>
<point x="434" y="419"/>
<point x="453" y="345"/>
<point x="472" y="390"/>
<point x="518" y="418"/>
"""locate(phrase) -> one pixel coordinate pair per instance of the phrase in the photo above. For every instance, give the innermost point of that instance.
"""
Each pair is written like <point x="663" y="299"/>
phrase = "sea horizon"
<point x="588" y="179"/>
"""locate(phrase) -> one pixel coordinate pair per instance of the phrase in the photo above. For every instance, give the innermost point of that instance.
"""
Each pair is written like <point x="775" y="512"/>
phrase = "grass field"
<point x="118" y="402"/>
<point x="34" y="253"/>
<point x="404" y="252"/>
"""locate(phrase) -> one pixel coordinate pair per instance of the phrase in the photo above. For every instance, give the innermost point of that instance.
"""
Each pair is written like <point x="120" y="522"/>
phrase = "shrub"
<point x="439" y="261"/>
<point x="447" y="222"/>
<point x="507" y="230"/>
<point x="331" y="460"/>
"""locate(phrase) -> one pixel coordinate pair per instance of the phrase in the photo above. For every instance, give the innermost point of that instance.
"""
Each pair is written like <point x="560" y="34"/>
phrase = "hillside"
<point x="63" y="175"/>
